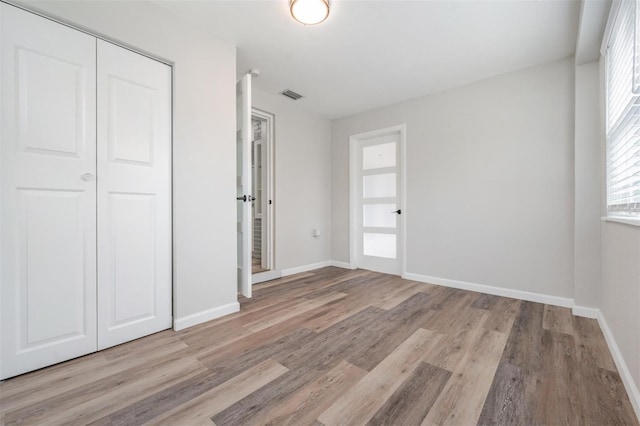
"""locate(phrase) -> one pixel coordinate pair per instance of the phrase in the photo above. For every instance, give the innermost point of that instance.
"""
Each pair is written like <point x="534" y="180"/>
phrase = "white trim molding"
<point x="633" y="221"/>
<point x="204" y="316"/>
<point x="306" y="268"/>
<point x="270" y="193"/>
<point x="343" y="265"/>
<point x="312" y="266"/>
<point x="615" y="5"/>
<point x="565" y="302"/>
<point x="585" y="311"/>
<point x="623" y="370"/>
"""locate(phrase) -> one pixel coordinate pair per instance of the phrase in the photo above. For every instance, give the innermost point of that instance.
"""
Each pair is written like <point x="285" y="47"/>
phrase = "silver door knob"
<point x="88" y="176"/>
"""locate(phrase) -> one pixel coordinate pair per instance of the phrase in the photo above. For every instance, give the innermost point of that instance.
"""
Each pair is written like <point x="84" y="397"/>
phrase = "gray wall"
<point x="589" y="181"/>
<point x="303" y="181"/>
<point x="203" y="145"/>
<point x="490" y="175"/>
<point x="620" y="301"/>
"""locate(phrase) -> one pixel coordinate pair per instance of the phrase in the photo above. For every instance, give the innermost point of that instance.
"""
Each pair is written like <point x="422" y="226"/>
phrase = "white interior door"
<point x="134" y="195"/>
<point x="243" y="156"/>
<point x="48" y="192"/>
<point x="378" y="207"/>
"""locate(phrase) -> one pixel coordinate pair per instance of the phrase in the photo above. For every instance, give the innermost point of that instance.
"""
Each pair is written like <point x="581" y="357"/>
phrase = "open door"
<point x="243" y="158"/>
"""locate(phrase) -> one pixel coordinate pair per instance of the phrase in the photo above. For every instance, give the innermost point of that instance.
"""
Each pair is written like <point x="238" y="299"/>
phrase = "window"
<point x="622" y="61"/>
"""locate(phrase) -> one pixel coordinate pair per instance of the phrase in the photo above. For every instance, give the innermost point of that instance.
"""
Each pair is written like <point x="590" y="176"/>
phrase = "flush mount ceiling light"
<point x="309" y="12"/>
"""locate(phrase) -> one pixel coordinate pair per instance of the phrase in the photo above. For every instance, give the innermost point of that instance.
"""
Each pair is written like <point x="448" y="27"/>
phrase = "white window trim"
<point x="626" y="220"/>
<point x="622" y="215"/>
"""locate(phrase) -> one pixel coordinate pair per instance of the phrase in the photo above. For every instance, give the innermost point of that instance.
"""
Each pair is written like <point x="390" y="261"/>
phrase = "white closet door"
<point x="134" y="195"/>
<point x="48" y="193"/>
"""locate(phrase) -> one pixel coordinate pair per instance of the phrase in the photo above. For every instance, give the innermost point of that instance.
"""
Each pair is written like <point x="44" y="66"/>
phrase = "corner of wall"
<point x="204" y="316"/>
<point x="587" y="184"/>
<point x="625" y="374"/>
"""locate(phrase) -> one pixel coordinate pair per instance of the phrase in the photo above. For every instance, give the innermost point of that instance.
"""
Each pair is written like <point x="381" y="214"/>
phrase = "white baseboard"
<point x="497" y="291"/>
<point x="343" y="265"/>
<point x="305" y="268"/>
<point x="623" y="370"/>
<point x="204" y="316"/>
<point x="312" y="266"/>
<point x="584" y="311"/>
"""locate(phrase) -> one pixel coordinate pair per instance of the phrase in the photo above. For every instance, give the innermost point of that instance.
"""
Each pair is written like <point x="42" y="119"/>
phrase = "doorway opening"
<point x="262" y="189"/>
<point x="255" y="139"/>
<point x="377" y="200"/>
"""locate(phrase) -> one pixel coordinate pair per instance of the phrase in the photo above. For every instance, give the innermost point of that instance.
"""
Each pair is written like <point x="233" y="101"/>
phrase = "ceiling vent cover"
<point x="291" y="94"/>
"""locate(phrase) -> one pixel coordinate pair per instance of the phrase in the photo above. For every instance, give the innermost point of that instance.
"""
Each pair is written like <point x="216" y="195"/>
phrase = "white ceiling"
<point x="374" y="53"/>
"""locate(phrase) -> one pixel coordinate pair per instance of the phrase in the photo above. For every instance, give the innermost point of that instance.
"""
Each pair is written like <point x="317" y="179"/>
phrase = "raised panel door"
<point x="134" y="195"/>
<point x="47" y="192"/>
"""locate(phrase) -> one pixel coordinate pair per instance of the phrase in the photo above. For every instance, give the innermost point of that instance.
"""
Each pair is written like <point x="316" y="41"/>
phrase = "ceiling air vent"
<point x="291" y="94"/>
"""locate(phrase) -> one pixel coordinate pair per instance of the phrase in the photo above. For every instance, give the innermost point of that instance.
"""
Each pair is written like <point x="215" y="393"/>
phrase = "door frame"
<point x="270" y="194"/>
<point x="353" y="193"/>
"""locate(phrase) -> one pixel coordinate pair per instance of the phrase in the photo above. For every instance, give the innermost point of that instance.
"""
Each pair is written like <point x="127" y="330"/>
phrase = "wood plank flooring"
<point x="333" y="347"/>
<point x="256" y="265"/>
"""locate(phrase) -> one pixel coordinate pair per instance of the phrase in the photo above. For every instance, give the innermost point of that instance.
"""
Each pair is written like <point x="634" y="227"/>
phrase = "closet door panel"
<point x="47" y="193"/>
<point x="134" y="195"/>
<point x="51" y="272"/>
<point x="132" y="217"/>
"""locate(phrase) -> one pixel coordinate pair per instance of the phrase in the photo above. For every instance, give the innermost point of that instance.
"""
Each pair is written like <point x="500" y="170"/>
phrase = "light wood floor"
<point x="343" y="347"/>
<point x="256" y="265"/>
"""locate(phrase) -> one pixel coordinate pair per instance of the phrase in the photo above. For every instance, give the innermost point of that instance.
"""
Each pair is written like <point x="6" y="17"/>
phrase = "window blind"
<point x="623" y="112"/>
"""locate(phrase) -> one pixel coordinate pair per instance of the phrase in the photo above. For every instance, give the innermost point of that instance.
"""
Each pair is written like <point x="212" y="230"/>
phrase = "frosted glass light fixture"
<point x="309" y="12"/>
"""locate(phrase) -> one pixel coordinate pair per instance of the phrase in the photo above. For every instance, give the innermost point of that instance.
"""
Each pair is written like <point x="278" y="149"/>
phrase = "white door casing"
<point x="134" y="195"/>
<point x="377" y="205"/>
<point x="243" y="163"/>
<point x="48" y="192"/>
<point x="268" y="197"/>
